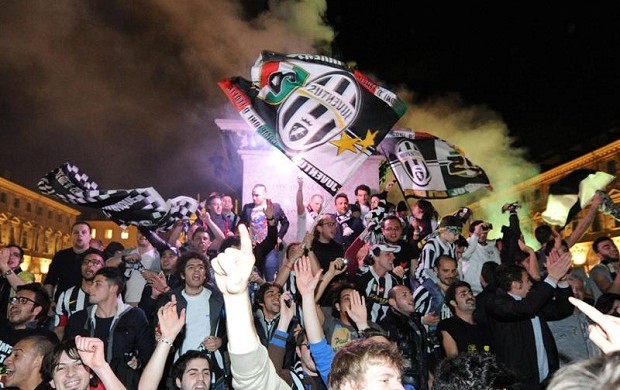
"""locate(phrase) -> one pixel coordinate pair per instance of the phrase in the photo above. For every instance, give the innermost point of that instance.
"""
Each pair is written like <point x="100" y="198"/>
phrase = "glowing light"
<point x="124" y="234"/>
<point x="44" y="265"/>
<point x="579" y="253"/>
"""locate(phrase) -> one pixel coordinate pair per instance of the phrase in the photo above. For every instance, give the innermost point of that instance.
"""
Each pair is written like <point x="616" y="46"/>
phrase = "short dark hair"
<point x="542" y="233"/>
<point x="259" y="297"/>
<point x="200" y="229"/>
<point x="181" y="364"/>
<point x="335" y="292"/>
<point x="445" y="258"/>
<point x="391" y="217"/>
<point x="90" y="229"/>
<point x="43" y="345"/>
<point x="95" y="251"/>
<point x="229" y="242"/>
<point x="598" y="241"/>
<point x="51" y="360"/>
<point x="450" y="294"/>
<point x="19" y="248"/>
<point x="187" y="256"/>
<point x="341" y="195"/>
<point x="213" y="197"/>
<point x="362" y="187"/>
<point x="114" y="277"/>
<point x="488" y="272"/>
<point x="508" y="273"/>
<point x="461" y="241"/>
<point x="41" y="298"/>
<point x="474" y="370"/>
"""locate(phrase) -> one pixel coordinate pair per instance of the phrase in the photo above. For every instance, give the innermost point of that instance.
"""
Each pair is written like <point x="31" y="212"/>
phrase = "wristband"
<point x="270" y="219"/>
<point x="7" y="273"/>
<point x="163" y="340"/>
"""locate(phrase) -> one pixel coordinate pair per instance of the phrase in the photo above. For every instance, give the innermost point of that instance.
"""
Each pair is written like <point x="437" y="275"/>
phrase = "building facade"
<point x="38" y="224"/>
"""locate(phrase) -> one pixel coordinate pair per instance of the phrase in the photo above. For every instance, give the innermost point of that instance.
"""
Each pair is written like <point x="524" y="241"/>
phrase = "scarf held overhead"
<point x="138" y="207"/>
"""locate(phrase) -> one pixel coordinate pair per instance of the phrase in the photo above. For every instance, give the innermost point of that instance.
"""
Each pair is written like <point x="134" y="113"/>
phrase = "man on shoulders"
<point x="75" y="298"/>
<point x="64" y="270"/>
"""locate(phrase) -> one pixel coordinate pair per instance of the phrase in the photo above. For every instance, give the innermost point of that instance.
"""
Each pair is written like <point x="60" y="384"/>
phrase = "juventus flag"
<point x="428" y="167"/>
<point x="139" y="207"/>
<point x="316" y="110"/>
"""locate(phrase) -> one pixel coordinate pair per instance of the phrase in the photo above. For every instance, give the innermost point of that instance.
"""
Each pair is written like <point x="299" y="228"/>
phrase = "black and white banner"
<point x="139" y="207"/>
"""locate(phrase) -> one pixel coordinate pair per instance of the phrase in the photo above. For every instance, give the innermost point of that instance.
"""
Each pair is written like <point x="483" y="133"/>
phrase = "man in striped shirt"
<point x="376" y="280"/>
<point x="441" y="243"/>
<point x="75" y="298"/>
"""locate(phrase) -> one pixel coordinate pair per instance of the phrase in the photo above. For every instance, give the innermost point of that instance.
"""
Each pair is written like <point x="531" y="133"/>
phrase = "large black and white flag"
<point x="138" y="207"/>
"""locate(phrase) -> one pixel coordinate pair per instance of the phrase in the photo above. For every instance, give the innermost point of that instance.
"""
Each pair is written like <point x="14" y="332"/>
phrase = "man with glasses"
<point x="405" y="260"/>
<point x="27" y="315"/>
<point x="253" y="216"/>
<point x="11" y="274"/>
<point x="326" y="250"/>
<point x="75" y="298"/>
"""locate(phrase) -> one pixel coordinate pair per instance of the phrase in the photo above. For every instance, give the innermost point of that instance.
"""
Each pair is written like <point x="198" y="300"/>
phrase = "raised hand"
<point x="5" y="253"/>
<point x="358" y="311"/>
<point x="234" y="266"/>
<point x="305" y="281"/>
<point x="337" y="266"/>
<point x="287" y="313"/>
<point x="558" y="264"/>
<point x="170" y="323"/>
<point x="90" y="350"/>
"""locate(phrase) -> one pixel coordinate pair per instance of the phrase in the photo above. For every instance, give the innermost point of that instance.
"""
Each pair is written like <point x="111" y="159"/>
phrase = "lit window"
<point x="108" y="234"/>
<point x="93" y="233"/>
<point x="124" y="234"/>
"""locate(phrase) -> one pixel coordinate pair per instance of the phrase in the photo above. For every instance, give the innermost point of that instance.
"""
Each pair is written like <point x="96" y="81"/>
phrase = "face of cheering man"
<point x="392" y="229"/>
<point x="201" y="241"/>
<point x="102" y="290"/>
<point x="195" y="273"/>
<point x="401" y="299"/>
<point x="446" y="270"/>
<point x="80" y="237"/>
<point x="464" y="300"/>
<point x="23" y="309"/>
<point x="91" y="263"/>
<point x="342" y="205"/>
<point x="271" y="302"/>
<point x="197" y="375"/>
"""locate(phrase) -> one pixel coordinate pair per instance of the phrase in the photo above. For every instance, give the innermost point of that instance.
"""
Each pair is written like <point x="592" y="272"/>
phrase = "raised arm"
<point x="250" y="364"/>
<point x="91" y="353"/>
<point x="586" y="221"/>
<point x="170" y="324"/>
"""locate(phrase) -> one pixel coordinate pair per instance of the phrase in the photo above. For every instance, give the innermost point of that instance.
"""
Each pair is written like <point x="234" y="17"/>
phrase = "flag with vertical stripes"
<point x="324" y="116"/>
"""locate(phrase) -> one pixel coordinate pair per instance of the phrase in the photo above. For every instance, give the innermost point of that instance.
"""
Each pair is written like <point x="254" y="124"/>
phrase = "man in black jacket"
<point x="517" y="317"/>
<point x="404" y="325"/>
<point x="122" y="328"/>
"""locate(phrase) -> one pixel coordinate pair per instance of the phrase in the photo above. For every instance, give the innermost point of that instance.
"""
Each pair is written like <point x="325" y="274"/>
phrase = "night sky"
<point x="127" y="90"/>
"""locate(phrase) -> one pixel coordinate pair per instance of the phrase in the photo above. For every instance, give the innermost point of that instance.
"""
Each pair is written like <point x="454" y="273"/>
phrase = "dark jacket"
<point x="128" y="335"/>
<point x="278" y="216"/>
<point x="513" y="334"/>
<point x="410" y="337"/>
<point x="150" y="305"/>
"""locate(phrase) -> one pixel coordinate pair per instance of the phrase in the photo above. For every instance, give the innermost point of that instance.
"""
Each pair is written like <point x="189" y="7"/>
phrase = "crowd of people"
<point x="372" y="296"/>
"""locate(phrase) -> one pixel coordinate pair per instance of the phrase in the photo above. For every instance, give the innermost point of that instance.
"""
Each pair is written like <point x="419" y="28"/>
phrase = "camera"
<point x="486" y="226"/>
